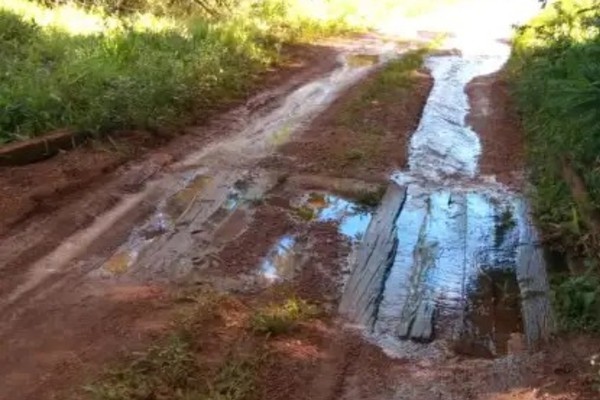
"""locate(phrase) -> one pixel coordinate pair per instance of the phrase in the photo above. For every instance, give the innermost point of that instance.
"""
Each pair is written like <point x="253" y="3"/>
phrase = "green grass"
<point x="173" y="371"/>
<point x="177" y="368"/>
<point x="556" y="77"/>
<point x="369" y="114"/>
<point x="369" y="199"/>
<point x="109" y="73"/>
<point x="169" y="370"/>
<point x="278" y="319"/>
<point x="394" y="80"/>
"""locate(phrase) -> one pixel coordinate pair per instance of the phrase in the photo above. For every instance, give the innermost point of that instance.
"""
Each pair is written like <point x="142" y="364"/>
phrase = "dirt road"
<point x="381" y="188"/>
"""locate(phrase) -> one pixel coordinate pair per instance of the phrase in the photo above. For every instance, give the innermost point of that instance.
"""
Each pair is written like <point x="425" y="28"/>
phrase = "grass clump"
<point x="165" y="371"/>
<point x="369" y="199"/>
<point x="282" y="318"/>
<point x="371" y="116"/>
<point x="173" y="371"/>
<point x="178" y="369"/>
<point x="395" y="79"/>
<point x="556" y="78"/>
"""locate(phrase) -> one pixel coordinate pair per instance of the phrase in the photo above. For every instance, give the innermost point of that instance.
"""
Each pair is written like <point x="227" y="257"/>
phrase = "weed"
<point x="282" y="318"/>
<point x="391" y="83"/>
<point x="369" y="199"/>
<point x="165" y="369"/>
<point x="236" y="379"/>
<point x="305" y="213"/>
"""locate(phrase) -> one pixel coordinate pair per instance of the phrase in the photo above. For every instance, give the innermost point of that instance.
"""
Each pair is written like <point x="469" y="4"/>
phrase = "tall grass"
<point x="556" y="72"/>
<point x="101" y="65"/>
<point x="66" y="67"/>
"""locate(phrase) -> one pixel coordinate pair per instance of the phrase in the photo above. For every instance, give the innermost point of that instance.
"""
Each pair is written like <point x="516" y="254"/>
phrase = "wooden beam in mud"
<point x="418" y="326"/>
<point x="538" y="318"/>
<point x="374" y="258"/>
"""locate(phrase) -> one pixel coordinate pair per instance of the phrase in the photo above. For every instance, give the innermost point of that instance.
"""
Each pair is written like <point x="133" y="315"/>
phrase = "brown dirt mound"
<point x="359" y="136"/>
<point x="494" y="117"/>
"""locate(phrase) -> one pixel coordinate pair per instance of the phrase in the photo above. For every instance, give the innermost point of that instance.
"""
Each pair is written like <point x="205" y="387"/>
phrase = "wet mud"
<point x="466" y="267"/>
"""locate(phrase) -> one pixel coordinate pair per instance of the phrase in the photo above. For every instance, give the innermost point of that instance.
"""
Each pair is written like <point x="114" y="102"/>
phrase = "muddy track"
<point x="88" y="267"/>
<point x="413" y="239"/>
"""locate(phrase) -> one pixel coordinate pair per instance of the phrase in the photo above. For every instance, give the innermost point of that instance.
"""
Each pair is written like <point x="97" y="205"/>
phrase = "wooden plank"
<point x="375" y="256"/>
<point x="37" y="149"/>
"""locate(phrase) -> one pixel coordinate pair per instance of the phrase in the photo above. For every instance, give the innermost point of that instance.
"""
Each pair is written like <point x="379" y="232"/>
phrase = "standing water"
<point x="465" y="265"/>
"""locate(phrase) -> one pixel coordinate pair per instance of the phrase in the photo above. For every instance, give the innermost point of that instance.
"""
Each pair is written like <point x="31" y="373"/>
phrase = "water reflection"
<point x="444" y="240"/>
<point x="353" y="219"/>
<point x="280" y="262"/>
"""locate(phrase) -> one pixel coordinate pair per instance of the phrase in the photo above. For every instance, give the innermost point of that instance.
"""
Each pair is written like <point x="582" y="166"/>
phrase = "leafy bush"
<point x="556" y="77"/>
<point x="557" y="86"/>
<point x="577" y="301"/>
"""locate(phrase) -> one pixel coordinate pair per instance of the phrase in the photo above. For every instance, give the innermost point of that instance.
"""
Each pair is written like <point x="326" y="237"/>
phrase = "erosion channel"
<point x="451" y="255"/>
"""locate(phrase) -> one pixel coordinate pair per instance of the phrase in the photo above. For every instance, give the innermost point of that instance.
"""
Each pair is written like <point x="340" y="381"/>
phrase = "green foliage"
<point x="577" y="301"/>
<point x="556" y="78"/>
<point x="557" y="86"/>
<point x="173" y="371"/>
<point x="282" y="318"/>
<point x="370" y="199"/>
<point x="236" y="379"/>
<point x="127" y="76"/>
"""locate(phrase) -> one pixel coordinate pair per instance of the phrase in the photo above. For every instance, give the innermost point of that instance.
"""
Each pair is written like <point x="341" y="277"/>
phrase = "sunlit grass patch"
<point x="278" y="319"/>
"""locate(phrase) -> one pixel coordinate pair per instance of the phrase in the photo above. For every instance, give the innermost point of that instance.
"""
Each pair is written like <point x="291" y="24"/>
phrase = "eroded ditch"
<point x="460" y="265"/>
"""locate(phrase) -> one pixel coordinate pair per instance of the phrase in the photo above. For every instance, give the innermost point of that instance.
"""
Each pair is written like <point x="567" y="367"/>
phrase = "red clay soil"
<point x="69" y="340"/>
<point x="45" y="349"/>
<point x="358" y="139"/>
<point x="244" y="254"/>
<point x="494" y="117"/>
<point x="320" y="276"/>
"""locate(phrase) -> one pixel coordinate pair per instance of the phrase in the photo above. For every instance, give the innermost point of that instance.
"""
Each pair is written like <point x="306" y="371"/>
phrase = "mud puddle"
<point x="463" y="267"/>
<point x="261" y="134"/>
<point x="287" y="255"/>
<point x="281" y="261"/>
<point x="353" y="218"/>
<point x="195" y="205"/>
